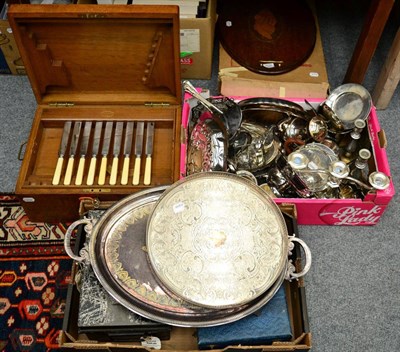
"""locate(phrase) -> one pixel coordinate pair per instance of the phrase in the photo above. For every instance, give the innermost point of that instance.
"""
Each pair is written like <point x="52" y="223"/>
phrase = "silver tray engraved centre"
<point x="217" y="241"/>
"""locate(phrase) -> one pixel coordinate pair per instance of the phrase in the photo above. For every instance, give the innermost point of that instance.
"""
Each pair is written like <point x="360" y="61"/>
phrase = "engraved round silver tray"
<point x="346" y="104"/>
<point x="118" y="256"/>
<point x="217" y="240"/>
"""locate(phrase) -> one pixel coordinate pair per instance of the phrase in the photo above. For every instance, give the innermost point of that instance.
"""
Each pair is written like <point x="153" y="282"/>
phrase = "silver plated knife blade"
<point x="72" y="151"/>
<point x="139" y="138"/>
<point x="149" y="138"/>
<point x="149" y="152"/>
<point x="107" y="138"/>
<point x="61" y="152"/>
<point x="128" y="138"/>
<point x="75" y="138"/>
<point x="127" y="152"/>
<point x="65" y="138"/>
<point x="104" y="152"/>
<point x="85" y="138"/>
<point x="96" y="138"/>
<point x="138" y="152"/>
<point x="95" y="151"/>
<point x="83" y="151"/>
<point x="117" y="149"/>
<point x="118" y="138"/>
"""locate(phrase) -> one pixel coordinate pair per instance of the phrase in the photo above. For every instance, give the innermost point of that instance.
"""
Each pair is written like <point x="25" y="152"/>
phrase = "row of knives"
<point x="87" y="141"/>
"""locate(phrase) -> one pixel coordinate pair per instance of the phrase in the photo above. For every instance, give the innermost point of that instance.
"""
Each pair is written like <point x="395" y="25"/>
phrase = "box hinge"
<point x="62" y="105"/>
<point x="156" y="104"/>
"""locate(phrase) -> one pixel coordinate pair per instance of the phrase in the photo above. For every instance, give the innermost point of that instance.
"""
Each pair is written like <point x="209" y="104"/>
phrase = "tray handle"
<point x="290" y="273"/>
<point x="68" y="235"/>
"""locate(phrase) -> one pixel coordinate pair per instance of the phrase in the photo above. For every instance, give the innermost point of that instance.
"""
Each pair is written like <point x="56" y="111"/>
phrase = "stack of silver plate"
<point x="208" y="250"/>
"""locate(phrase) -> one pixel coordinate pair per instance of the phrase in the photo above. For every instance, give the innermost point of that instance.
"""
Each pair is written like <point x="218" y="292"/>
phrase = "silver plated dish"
<point x="257" y="151"/>
<point x="266" y="103"/>
<point x="118" y="256"/>
<point x="217" y="240"/>
<point x="312" y="162"/>
<point x="269" y="111"/>
<point x="346" y="104"/>
<point x="207" y="146"/>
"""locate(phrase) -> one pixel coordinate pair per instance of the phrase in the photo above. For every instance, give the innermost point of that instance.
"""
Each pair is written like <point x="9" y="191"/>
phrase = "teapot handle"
<point x="290" y="273"/>
<point x="68" y="235"/>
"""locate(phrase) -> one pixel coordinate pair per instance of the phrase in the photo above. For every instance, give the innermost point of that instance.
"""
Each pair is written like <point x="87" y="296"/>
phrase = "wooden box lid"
<point x="100" y="54"/>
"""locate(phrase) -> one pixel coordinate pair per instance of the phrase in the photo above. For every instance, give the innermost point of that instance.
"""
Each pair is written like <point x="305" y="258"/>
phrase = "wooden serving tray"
<point x="97" y="63"/>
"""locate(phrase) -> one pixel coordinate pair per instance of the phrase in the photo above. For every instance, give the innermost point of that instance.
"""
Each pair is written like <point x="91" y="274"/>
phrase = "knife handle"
<point x="103" y="169"/>
<point x="57" y="172"/>
<point x="114" y="169"/>
<point x="92" y="169"/>
<point x="136" y="171"/>
<point x="147" y="171"/>
<point x="125" y="171"/>
<point x="68" y="172"/>
<point x="79" y="173"/>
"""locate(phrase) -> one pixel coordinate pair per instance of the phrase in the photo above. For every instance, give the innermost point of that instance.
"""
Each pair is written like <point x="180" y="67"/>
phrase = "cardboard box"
<point x="310" y="80"/>
<point x="184" y="339"/>
<point x="197" y="44"/>
<point x="10" y="49"/>
<point x="351" y="212"/>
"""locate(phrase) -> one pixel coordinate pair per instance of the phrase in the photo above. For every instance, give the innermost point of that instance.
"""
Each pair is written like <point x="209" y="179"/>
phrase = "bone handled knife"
<point x="84" y="146"/>
<point x="72" y="151"/>
<point x="138" y="152"/>
<point x="117" y="149"/>
<point x="95" y="150"/>
<point x="127" y="152"/>
<point x="104" y="153"/>
<point x="61" y="153"/>
<point x="149" y="152"/>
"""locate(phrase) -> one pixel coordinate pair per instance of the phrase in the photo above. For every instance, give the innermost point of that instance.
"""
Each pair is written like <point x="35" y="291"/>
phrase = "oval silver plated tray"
<point x="118" y="255"/>
<point x="217" y="240"/>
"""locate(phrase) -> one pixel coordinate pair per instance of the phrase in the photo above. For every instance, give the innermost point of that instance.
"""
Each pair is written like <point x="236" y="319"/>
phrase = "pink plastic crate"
<point x="352" y="212"/>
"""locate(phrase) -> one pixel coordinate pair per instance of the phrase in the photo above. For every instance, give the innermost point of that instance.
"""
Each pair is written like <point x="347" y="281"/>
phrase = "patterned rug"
<point x="34" y="277"/>
<point x="16" y="227"/>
